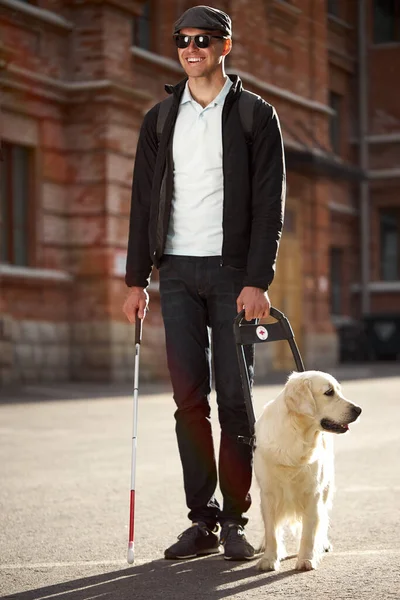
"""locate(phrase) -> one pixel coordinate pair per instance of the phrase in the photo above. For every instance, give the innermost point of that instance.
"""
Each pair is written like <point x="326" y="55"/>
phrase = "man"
<point x="207" y="210"/>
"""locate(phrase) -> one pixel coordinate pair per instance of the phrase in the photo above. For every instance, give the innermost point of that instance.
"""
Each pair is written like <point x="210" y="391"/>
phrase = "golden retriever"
<point x="294" y="464"/>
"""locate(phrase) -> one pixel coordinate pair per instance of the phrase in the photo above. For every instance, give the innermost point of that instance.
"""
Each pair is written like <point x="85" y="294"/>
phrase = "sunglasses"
<point x="201" y="41"/>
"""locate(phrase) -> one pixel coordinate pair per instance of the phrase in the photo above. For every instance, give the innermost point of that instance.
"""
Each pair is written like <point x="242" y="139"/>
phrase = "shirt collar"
<point x="220" y="99"/>
<point x="186" y="96"/>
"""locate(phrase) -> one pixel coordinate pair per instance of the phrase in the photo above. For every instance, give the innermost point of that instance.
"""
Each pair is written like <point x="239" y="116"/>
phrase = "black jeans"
<point x="199" y="295"/>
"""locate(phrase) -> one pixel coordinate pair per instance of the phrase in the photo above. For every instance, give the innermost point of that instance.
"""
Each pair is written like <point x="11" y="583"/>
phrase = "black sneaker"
<point x="233" y="539"/>
<point x="195" y="541"/>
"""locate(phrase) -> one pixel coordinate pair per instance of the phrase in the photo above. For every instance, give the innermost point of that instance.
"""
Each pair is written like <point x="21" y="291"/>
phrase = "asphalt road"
<point x="64" y="501"/>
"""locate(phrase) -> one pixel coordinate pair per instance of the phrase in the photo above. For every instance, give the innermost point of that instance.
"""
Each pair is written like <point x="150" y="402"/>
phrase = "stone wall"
<point x="7" y="373"/>
<point x="321" y="350"/>
<point x="41" y="351"/>
<point x="106" y="351"/>
<point x="33" y="351"/>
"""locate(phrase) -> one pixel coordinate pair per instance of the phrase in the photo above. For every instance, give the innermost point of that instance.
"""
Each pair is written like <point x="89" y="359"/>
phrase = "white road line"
<point x="52" y="565"/>
<point x="105" y="563"/>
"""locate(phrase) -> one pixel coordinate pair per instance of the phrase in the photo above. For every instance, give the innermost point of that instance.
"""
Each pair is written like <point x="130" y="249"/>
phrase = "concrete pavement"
<point x="64" y="497"/>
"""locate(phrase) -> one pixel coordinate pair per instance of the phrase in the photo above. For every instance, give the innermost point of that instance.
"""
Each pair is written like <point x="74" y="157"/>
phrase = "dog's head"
<point x="319" y="396"/>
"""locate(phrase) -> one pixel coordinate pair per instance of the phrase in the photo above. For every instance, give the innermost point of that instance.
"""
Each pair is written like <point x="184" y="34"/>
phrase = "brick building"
<point x="77" y="77"/>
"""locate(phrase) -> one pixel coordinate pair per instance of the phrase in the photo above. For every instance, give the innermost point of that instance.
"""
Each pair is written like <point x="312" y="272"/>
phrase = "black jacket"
<point x="254" y="191"/>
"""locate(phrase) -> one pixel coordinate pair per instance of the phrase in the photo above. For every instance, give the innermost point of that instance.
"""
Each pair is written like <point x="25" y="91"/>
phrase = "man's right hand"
<point x="136" y="302"/>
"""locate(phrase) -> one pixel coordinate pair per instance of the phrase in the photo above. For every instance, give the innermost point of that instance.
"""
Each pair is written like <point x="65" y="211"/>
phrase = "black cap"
<point x="205" y="17"/>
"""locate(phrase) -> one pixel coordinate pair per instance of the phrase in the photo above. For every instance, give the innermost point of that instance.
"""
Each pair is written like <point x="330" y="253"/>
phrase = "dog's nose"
<point x="356" y="411"/>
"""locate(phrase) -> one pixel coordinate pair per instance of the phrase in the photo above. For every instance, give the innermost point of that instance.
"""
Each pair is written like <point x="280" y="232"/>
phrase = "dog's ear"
<point x="299" y="397"/>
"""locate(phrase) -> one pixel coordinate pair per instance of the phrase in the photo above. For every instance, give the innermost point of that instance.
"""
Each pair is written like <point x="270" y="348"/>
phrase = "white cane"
<point x="131" y="543"/>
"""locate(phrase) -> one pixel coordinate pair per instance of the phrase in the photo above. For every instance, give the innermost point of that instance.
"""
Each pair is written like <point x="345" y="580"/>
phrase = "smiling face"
<point x="203" y="62"/>
<point x="319" y="396"/>
<point x="335" y="412"/>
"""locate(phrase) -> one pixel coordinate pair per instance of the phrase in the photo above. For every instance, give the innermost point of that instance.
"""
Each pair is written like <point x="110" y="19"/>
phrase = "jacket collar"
<point x="219" y="99"/>
<point x="178" y="89"/>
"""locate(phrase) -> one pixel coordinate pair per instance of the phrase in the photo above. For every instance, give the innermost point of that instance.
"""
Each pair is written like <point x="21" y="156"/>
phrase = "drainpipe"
<point x="363" y="157"/>
<point x="313" y="181"/>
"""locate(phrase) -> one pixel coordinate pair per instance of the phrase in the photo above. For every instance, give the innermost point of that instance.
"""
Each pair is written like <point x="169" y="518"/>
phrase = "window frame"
<point x="136" y="23"/>
<point x="389" y="210"/>
<point x="396" y="25"/>
<point x="336" y="10"/>
<point x="30" y="223"/>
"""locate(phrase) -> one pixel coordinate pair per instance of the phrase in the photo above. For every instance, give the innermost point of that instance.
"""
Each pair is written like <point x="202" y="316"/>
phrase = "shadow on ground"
<point x="196" y="579"/>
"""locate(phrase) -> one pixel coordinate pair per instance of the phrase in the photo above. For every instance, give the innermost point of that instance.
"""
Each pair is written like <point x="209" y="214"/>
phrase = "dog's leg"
<point x="326" y="545"/>
<point x="270" y="559"/>
<point x="311" y="536"/>
<point x="327" y="503"/>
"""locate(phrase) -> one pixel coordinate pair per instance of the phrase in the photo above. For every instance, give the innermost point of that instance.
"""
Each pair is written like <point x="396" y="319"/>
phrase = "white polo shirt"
<point x="195" y="226"/>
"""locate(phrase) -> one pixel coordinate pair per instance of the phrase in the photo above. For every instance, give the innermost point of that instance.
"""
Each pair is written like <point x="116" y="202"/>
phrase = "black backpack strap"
<point x="247" y="102"/>
<point x="165" y="107"/>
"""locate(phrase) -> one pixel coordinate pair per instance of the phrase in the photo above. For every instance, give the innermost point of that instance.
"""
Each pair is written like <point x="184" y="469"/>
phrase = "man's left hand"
<point x="255" y="302"/>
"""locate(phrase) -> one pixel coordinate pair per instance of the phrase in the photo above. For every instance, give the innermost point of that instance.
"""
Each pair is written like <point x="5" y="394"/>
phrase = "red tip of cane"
<point x="132" y="517"/>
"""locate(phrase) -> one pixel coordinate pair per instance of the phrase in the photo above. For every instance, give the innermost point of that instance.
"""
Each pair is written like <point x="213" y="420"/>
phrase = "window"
<point x="335" y="102"/>
<point x="15" y="190"/>
<point x="389" y="244"/>
<point x="141" y="28"/>
<point x="386" y="21"/>
<point x="336" y="262"/>
<point x="333" y="8"/>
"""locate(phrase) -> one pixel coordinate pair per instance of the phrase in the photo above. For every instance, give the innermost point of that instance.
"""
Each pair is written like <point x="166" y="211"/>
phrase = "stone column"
<point x="320" y="338"/>
<point x="102" y="121"/>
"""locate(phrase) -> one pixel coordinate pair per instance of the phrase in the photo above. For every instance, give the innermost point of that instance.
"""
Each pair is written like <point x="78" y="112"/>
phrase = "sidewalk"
<point x="65" y="471"/>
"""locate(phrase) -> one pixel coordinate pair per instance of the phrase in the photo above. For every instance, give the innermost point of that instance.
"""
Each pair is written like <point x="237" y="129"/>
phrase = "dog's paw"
<point x="282" y="553"/>
<point x="305" y="564"/>
<point x="268" y="564"/>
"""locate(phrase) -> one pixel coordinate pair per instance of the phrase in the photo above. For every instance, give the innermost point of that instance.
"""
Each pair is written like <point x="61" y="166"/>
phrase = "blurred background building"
<point x="77" y="76"/>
